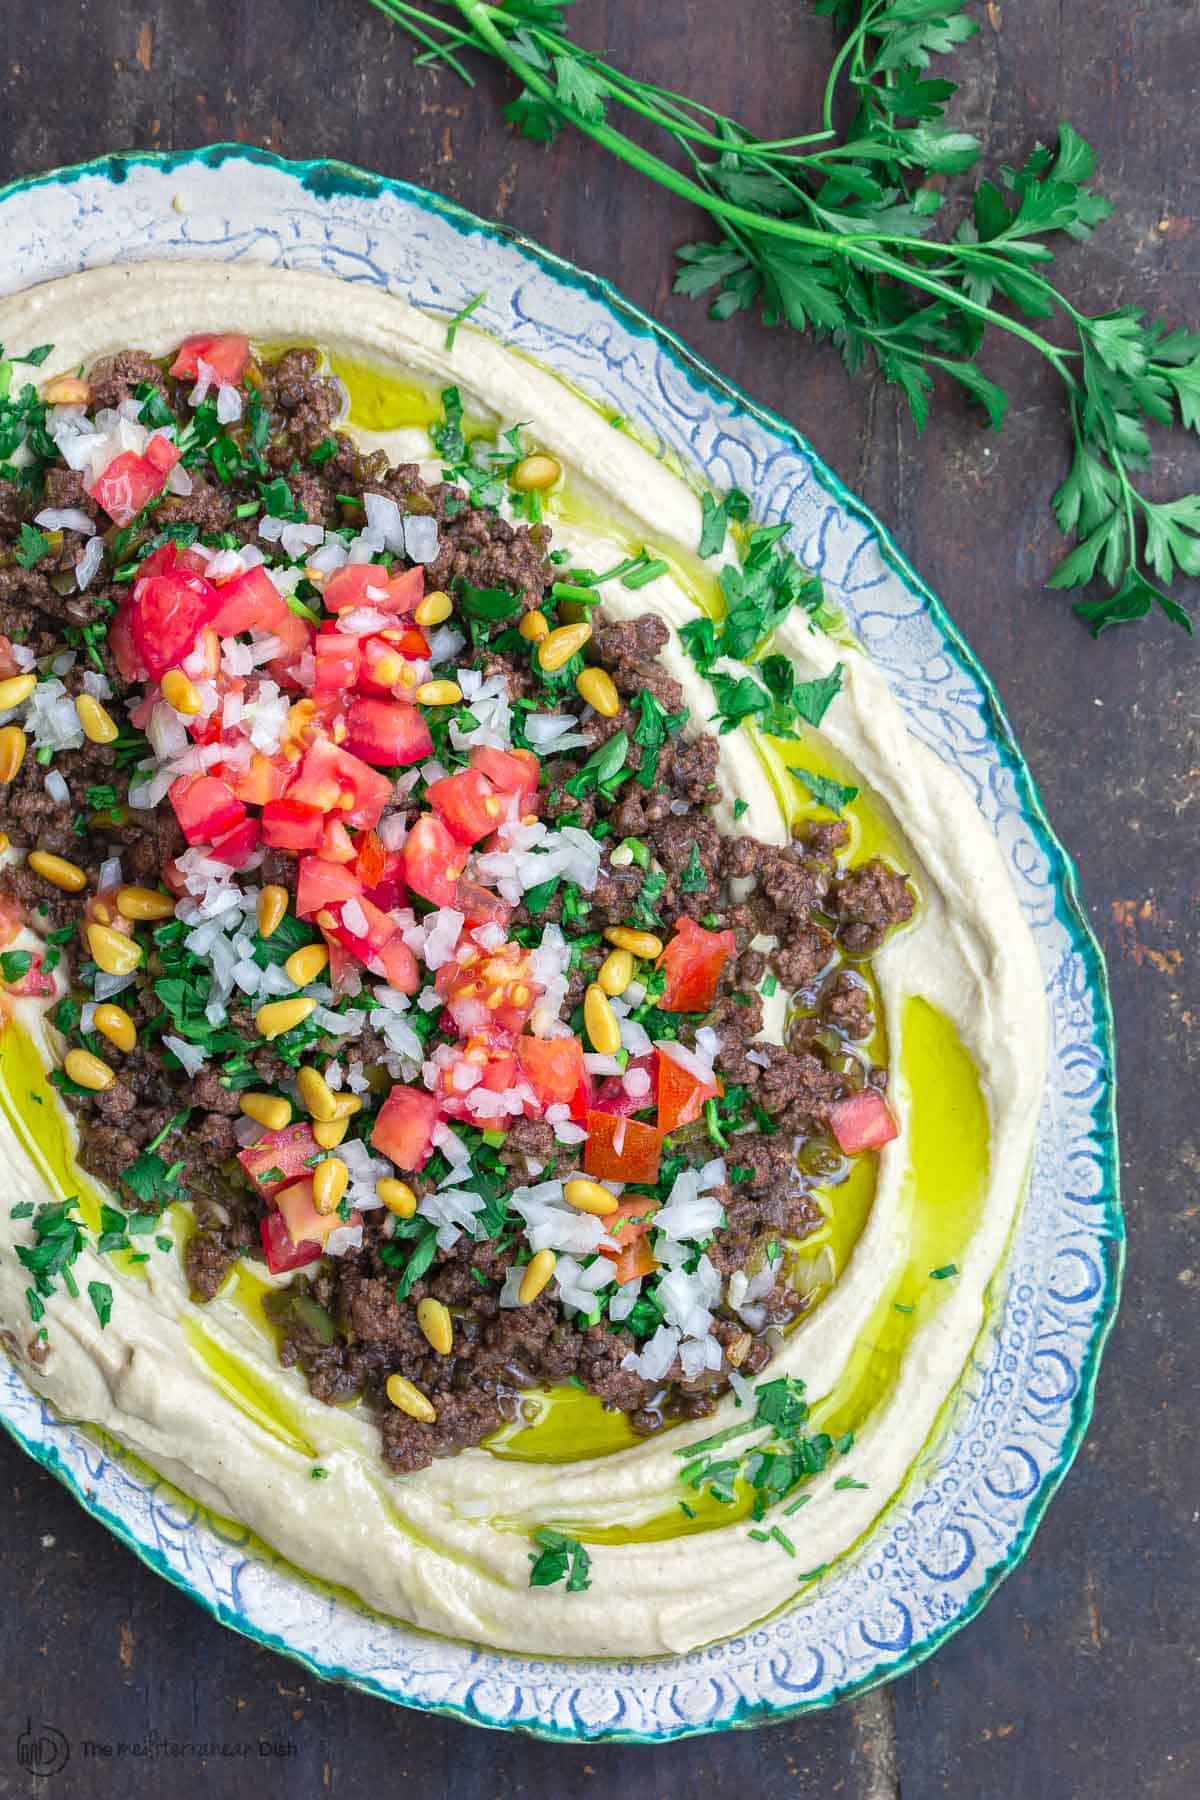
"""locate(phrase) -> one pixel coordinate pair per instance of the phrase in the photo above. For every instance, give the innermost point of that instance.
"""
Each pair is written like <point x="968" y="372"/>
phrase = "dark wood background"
<point x="1080" y="1677"/>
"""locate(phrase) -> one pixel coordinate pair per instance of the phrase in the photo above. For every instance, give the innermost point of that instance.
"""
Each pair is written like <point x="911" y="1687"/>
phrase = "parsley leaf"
<point x="826" y="792"/>
<point x="557" y="1556"/>
<point x="32" y="545"/>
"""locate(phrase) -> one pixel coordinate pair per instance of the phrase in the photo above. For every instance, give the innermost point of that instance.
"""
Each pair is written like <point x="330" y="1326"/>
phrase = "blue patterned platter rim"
<point x="1020" y="1412"/>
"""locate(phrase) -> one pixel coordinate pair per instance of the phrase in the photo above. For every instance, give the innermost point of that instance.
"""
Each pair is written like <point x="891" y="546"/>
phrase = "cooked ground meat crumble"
<point x="268" y="483"/>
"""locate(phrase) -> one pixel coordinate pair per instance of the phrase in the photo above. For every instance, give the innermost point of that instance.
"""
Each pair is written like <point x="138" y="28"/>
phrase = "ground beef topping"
<point x="386" y="910"/>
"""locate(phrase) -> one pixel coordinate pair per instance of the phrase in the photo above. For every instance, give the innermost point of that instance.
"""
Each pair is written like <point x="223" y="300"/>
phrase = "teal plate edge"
<point x="328" y="179"/>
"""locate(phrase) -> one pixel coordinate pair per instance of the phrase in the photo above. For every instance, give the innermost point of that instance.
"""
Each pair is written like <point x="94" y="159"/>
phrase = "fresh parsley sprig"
<point x="834" y="233"/>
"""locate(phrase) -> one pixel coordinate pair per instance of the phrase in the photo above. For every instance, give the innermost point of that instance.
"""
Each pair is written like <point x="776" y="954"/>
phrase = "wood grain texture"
<point x="1078" y="1680"/>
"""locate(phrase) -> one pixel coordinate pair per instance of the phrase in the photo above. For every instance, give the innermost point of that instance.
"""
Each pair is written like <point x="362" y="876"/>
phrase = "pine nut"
<point x="588" y="1196"/>
<point x="305" y="964"/>
<point x="144" y="903"/>
<point x="438" y="693"/>
<point x="600" y="1021"/>
<point x="318" y="1097"/>
<point x="436" y="1325"/>
<point x="88" y="1071"/>
<point x="558" y="649"/>
<point x="538" y="1271"/>
<point x="278" y="1016"/>
<point x="533" y="473"/>
<point x="271" y="1110"/>
<point x="99" y="726"/>
<point x="114" y="1023"/>
<point x="615" y="972"/>
<point x="112" y="951"/>
<point x="397" y="1196"/>
<point x="642" y="944"/>
<point x="330" y="1132"/>
<point x="330" y="1181"/>
<point x="181" y="693"/>
<point x="66" y="390"/>
<point x="15" y="690"/>
<point x="434" y="609"/>
<point x="409" y="1399"/>
<point x="272" y="906"/>
<point x="13" y="745"/>
<point x="534" y="626"/>
<point x="58" y="871"/>
<point x="597" y="687"/>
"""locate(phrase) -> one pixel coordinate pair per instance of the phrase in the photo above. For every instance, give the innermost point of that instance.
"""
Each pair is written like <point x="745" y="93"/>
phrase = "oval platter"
<point x="971" y="1505"/>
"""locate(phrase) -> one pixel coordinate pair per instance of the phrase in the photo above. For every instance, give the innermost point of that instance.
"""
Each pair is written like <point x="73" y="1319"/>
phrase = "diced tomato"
<point x="267" y="778"/>
<point x="8" y="663"/>
<point x="127" y="483"/>
<point x="161" y="453"/>
<point x="296" y="635"/>
<point x="338" y="658"/>
<point x="167" y="615"/>
<point x="488" y="1061"/>
<point x="250" y="602"/>
<point x="226" y="354"/>
<point x="203" y="660"/>
<point x="399" y="965"/>
<point x="379" y="946"/>
<point x="12" y="917"/>
<point x="370" y="860"/>
<point x="612" y="1096"/>
<point x="433" y="861"/>
<point x="120" y="642"/>
<point x="336" y="843"/>
<point x="629" y="1229"/>
<point x="554" y="1069"/>
<point x="304" y="1223"/>
<point x="344" y="969"/>
<point x="281" y="1253"/>
<point x="681" y="1095"/>
<point x="863" y="1121"/>
<point x="236" y="846"/>
<point x="290" y="825"/>
<point x="467" y="805"/>
<point x="491" y="988"/>
<point x="205" y="807"/>
<point x="388" y="733"/>
<point x="693" y="961"/>
<point x="323" y="884"/>
<point x="409" y="640"/>
<point x="381" y="665"/>
<point x="403" y="1130"/>
<point x="511" y="771"/>
<point x="333" y="780"/>
<point x="367" y="584"/>
<point x="479" y="905"/>
<point x="34" y="984"/>
<point x="620" y="1149"/>
<point x="280" y="1157"/>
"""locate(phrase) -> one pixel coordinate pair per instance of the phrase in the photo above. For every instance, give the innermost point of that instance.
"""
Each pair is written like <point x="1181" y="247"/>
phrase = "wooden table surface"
<point x="1080" y="1677"/>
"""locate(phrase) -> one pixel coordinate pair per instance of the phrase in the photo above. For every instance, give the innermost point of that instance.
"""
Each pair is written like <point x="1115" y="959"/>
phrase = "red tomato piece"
<point x="305" y="1225"/>
<point x="433" y="861"/>
<point x="629" y="1229"/>
<point x="493" y="988"/>
<point x="161" y="453"/>
<point x="266" y="779"/>
<point x="403" y="1130"/>
<point x="121" y="643"/>
<point x="34" y="984"/>
<point x="479" y="905"/>
<point x="12" y="917"/>
<point x="612" y="1096"/>
<point x="333" y="780"/>
<point x="681" y="1095"/>
<point x="226" y="354"/>
<point x="387" y="732"/>
<point x="250" y="602"/>
<point x="554" y="1069"/>
<point x="863" y="1121"/>
<point x="338" y="658"/>
<point x="467" y="805"/>
<point x="489" y="1057"/>
<point x="399" y="965"/>
<point x="379" y="946"/>
<point x="280" y="1157"/>
<point x="167" y="616"/>
<point x="370" y="860"/>
<point x="127" y="483"/>
<point x="336" y="843"/>
<point x="323" y="884"/>
<point x="8" y="663"/>
<point x="205" y="807"/>
<point x="693" y="961"/>
<point x="368" y="584"/>
<point x="620" y="1149"/>
<point x="236" y="846"/>
<point x="381" y="666"/>
<point x="281" y="1253"/>
<point x="510" y="771"/>
<point x="290" y="825"/>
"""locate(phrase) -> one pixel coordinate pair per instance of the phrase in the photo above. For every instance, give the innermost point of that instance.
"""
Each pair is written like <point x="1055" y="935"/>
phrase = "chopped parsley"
<point x="557" y="1556"/>
<point x="829" y="794"/>
<point x="14" y="964"/>
<point x="101" y="1297"/>
<point x="694" y="878"/>
<point x="944" y="1273"/>
<point x="716" y="516"/>
<point x="464" y="312"/>
<point x="655" y="725"/>
<point x="32" y="545"/>
<point x="604" y="770"/>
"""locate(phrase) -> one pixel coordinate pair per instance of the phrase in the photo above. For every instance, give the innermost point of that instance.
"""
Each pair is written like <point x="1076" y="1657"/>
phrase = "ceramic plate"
<point x="967" y="1515"/>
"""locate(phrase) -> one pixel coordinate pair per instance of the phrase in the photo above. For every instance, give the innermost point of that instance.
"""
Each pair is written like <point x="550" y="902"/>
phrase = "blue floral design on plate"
<point x="1024" y="1403"/>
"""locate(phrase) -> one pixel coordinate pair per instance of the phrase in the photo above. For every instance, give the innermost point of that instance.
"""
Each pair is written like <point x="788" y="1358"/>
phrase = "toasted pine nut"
<point x="397" y="1196"/>
<point x="330" y="1181"/>
<point x="112" y="951"/>
<point x="15" y="690"/>
<point x="179" y="691"/>
<point x="13" y="745"/>
<point x="114" y="1023"/>
<point x="438" y="693"/>
<point x="588" y="1196"/>
<point x="271" y="1110"/>
<point x="600" y="1021"/>
<point x="347" y="1105"/>
<point x="316" y="1093"/>
<point x="272" y="906"/>
<point x="533" y="473"/>
<point x="538" y="1271"/>
<point x="434" y="609"/>
<point x="66" y="390"/>
<point x="330" y="1132"/>
<point x="278" y="1016"/>
<point x="615" y="972"/>
<point x="409" y="1399"/>
<point x="534" y="626"/>
<point x="558" y="649"/>
<point x="144" y="903"/>
<point x="305" y="964"/>
<point x="99" y="726"/>
<point x="638" y="943"/>
<point x="5" y="841"/>
<point x="88" y="1070"/>
<point x="436" y="1325"/>
<point x="58" y="871"/>
<point x="597" y="687"/>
